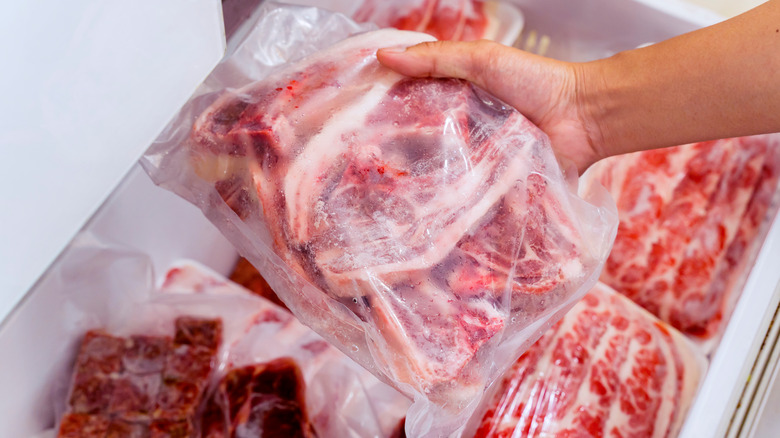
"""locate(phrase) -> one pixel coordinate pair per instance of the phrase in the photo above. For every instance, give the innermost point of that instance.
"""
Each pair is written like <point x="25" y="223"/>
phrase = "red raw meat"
<point x="124" y="384"/>
<point x="100" y="353"/>
<point x="171" y="429"/>
<point x="191" y="364"/>
<point x="133" y="397"/>
<point x="90" y="394"/>
<point x="146" y="354"/>
<point x="177" y="400"/>
<point x="432" y="211"/>
<point x="259" y="400"/>
<point x="83" y="426"/>
<point x="608" y="368"/>
<point x="122" y="429"/>
<point x="687" y="216"/>
<point x="456" y="20"/>
<point x="198" y="332"/>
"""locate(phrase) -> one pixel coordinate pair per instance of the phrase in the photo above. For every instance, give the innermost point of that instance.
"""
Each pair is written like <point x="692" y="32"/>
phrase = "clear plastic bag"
<point x="692" y="219"/>
<point x="608" y="368"/>
<point x="420" y="225"/>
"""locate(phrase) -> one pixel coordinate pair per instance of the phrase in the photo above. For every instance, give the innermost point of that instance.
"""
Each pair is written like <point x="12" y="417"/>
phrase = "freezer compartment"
<point x="144" y="217"/>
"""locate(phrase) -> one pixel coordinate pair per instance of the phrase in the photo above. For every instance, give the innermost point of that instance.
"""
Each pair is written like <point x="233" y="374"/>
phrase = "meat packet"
<point x="279" y="374"/>
<point x="150" y="358"/>
<point x="608" y="368"/>
<point x="421" y="226"/>
<point x="692" y="219"/>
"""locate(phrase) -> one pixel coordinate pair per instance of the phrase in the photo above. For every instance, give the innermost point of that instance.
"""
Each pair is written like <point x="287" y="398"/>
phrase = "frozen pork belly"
<point x="432" y="218"/>
<point x="690" y="222"/>
<point x="608" y="368"/>
<point x="436" y="215"/>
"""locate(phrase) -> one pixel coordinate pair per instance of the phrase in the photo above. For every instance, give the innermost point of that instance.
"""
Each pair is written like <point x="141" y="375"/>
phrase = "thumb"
<point x="463" y="60"/>
<point x="530" y="83"/>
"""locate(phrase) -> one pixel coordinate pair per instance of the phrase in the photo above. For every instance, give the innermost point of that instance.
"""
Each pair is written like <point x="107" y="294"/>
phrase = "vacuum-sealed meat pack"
<point x="691" y="223"/>
<point x="278" y="378"/>
<point x="422" y="226"/>
<point x="608" y="368"/>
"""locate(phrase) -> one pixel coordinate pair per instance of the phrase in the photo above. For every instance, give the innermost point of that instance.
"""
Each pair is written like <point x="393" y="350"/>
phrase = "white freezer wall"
<point x="85" y="86"/>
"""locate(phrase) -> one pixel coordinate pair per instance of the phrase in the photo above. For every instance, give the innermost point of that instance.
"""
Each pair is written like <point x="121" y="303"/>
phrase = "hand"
<point x="542" y="89"/>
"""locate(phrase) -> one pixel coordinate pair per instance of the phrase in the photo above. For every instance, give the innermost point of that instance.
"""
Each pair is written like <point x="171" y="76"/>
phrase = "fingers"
<point x="442" y="59"/>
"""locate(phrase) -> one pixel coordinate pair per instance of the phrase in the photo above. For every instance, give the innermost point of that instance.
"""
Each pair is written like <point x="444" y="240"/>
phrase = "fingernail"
<point x="394" y="49"/>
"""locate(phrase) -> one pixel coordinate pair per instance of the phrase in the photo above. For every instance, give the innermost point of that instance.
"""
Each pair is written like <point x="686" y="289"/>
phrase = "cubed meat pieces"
<point x="124" y="429"/>
<point x="100" y="353"/>
<point x="133" y="396"/>
<point x="198" y="332"/>
<point x="146" y="354"/>
<point x="75" y="425"/>
<point x="91" y="394"/>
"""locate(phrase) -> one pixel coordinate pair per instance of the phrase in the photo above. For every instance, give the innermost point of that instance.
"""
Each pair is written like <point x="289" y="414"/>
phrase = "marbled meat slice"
<point x="681" y="211"/>
<point x="729" y="276"/>
<point x="259" y="400"/>
<point x="430" y="209"/>
<point x="608" y="368"/>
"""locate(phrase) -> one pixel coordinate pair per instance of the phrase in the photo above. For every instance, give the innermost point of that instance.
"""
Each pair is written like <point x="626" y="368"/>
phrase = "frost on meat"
<point x="688" y="218"/>
<point x="431" y="210"/>
<point x="608" y="368"/>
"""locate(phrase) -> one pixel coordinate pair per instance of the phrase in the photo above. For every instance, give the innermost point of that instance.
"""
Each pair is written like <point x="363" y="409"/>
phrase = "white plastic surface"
<point x="768" y="423"/>
<point x="85" y="86"/>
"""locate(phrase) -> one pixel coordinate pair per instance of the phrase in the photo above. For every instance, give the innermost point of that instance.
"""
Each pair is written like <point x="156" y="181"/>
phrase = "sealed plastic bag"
<point x="420" y="225"/>
<point x="608" y="368"/>
<point x="692" y="219"/>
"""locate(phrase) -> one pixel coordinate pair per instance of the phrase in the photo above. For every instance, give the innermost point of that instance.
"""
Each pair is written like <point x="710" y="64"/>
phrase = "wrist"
<point x="591" y="100"/>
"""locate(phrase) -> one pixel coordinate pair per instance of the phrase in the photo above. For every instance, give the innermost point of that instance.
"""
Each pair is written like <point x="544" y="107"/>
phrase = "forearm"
<point x="717" y="82"/>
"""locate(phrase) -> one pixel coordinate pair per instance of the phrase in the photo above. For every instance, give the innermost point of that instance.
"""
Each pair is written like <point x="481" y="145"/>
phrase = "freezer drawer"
<point x="143" y="217"/>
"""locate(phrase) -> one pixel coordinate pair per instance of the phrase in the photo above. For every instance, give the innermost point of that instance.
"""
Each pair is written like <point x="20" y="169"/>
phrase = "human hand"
<point x="544" y="90"/>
